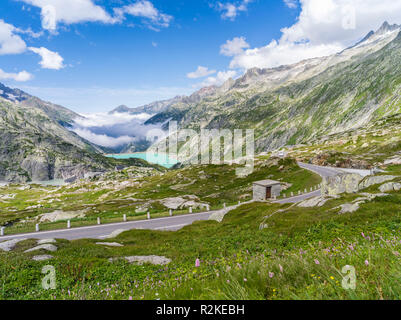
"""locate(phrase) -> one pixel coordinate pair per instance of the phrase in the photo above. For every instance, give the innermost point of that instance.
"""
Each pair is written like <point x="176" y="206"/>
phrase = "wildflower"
<point x="130" y="298"/>
<point x="363" y="235"/>
<point x="245" y="279"/>
<point x="197" y="263"/>
<point x="281" y="268"/>
<point x="317" y="261"/>
<point x="332" y="278"/>
<point x="366" y="263"/>
<point x="228" y="281"/>
<point x="271" y="275"/>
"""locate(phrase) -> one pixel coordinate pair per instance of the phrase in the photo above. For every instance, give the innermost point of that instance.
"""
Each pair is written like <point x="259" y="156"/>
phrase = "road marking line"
<point x="178" y="225"/>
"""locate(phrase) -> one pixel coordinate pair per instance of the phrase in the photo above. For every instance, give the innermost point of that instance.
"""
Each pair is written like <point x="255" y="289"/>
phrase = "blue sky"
<point x="106" y="53"/>
<point x="130" y="59"/>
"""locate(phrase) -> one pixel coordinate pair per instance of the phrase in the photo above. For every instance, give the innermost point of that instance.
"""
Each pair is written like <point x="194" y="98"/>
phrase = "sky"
<point x="94" y="55"/>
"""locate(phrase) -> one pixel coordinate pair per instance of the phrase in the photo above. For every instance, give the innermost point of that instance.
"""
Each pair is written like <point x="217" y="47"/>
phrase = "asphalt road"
<point x="164" y="224"/>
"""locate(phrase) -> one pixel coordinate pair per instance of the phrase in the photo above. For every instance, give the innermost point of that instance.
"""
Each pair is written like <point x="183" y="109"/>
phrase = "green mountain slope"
<point x="35" y="145"/>
<point x="292" y="104"/>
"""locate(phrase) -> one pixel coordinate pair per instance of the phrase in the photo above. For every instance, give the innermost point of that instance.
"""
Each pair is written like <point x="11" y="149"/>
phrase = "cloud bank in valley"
<point x="114" y="130"/>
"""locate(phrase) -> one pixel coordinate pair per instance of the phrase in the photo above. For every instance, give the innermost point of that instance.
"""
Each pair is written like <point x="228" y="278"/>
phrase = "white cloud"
<point x="276" y="54"/>
<point x="50" y="59"/>
<point x="234" y="47"/>
<point x="220" y="78"/>
<point x="29" y="32"/>
<point x="145" y="9"/>
<point x="292" y="4"/>
<point x="231" y="10"/>
<point x="103" y="139"/>
<point x="10" y="43"/>
<point x="107" y="120"/>
<point x="112" y="130"/>
<point x="69" y="12"/>
<point x="201" y="72"/>
<point x="323" y="27"/>
<point x="21" y="76"/>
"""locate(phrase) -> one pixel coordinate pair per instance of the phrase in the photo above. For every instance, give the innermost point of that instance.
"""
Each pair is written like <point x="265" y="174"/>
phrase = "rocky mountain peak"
<point x="386" y="27"/>
<point x="120" y="109"/>
<point x="14" y="95"/>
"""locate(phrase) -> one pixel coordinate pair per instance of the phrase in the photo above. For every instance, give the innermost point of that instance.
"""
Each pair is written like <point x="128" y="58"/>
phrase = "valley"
<point x="327" y="133"/>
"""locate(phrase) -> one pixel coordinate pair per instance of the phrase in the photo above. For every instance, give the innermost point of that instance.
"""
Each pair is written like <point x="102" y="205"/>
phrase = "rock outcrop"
<point x="349" y="207"/>
<point x="60" y="215"/>
<point x="9" y="245"/>
<point x="342" y="183"/>
<point x="48" y="247"/>
<point x="314" y="202"/>
<point x="390" y="186"/>
<point x="373" y="180"/>
<point x="109" y="244"/>
<point x="392" y="161"/>
<point x="182" y="202"/>
<point x="140" y="260"/>
<point x="43" y="257"/>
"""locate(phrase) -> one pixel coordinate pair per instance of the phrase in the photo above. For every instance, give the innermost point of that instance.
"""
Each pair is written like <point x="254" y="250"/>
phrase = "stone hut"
<point x="266" y="189"/>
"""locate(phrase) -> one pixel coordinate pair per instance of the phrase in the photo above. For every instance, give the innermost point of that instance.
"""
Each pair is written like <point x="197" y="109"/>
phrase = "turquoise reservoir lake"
<point x="160" y="159"/>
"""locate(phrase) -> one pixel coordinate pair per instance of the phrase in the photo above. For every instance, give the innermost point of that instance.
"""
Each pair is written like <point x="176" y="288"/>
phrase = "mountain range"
<point x="287" y="105"/>
<point x="316" y="97"/>
<point x="37" y="145"/>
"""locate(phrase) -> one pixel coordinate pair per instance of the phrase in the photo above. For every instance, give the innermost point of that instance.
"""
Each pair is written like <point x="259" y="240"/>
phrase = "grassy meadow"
<point x="299" y="253"/>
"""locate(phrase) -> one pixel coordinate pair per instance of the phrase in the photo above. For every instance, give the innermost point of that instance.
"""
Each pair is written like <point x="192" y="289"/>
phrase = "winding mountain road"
<point x="165" y="224"/>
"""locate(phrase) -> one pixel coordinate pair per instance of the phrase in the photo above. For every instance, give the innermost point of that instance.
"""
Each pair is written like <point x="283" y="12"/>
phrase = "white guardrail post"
<point x="2" y="231"/>
<point x="37" y="229"/>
